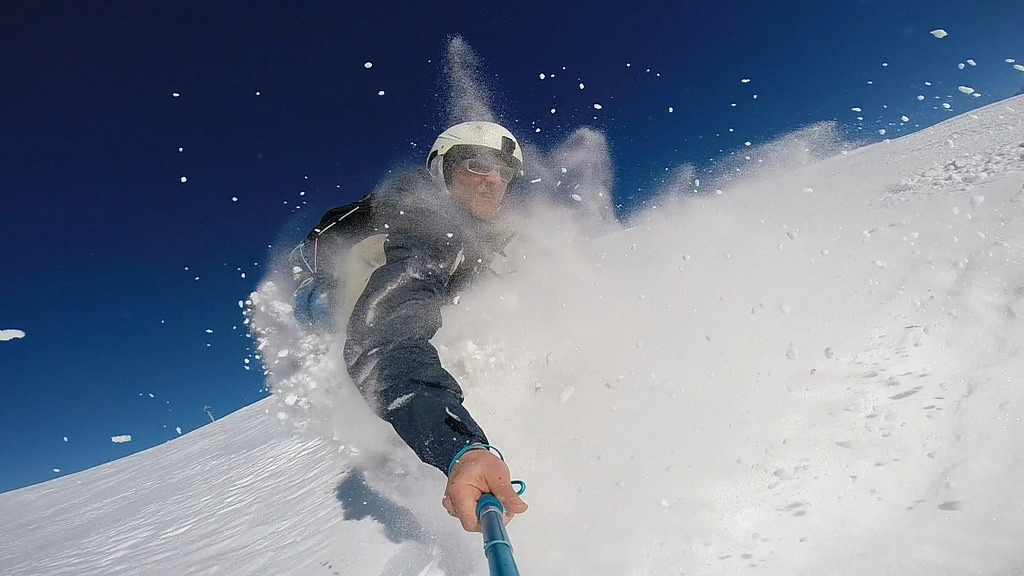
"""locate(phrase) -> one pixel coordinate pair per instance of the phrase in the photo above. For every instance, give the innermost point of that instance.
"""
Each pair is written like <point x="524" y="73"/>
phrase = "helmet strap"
<point x="437" y="172"/>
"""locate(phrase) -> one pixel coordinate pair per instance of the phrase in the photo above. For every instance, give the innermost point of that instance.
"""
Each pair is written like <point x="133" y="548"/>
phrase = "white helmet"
<point x="481" y="134"/>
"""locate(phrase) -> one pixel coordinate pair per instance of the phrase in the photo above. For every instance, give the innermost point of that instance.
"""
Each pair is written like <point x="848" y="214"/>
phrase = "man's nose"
<point x="494" y="179"/>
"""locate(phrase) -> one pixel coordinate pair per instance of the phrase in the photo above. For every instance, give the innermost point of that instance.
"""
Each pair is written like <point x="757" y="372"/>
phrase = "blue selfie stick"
<point x="497" y="548"/>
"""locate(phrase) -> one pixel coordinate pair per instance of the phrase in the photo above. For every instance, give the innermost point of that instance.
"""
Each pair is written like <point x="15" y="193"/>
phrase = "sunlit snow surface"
<point x="814" y="372"/>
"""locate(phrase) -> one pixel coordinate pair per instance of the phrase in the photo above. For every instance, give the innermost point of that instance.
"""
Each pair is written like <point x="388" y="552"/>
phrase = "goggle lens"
<point x="485" y="168"/>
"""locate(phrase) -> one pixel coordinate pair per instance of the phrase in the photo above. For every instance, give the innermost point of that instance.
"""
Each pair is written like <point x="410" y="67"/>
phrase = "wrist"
<point x="472" y="448"/>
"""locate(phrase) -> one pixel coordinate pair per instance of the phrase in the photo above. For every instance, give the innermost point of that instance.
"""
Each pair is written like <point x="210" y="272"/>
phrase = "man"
<point x="425" y="236"/>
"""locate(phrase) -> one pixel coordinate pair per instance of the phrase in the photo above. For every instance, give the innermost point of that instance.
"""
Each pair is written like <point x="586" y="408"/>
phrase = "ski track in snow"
<point x="815" y="372"/>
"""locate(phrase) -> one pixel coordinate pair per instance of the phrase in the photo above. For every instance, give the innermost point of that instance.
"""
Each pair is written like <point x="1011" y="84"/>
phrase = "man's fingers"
<point x="459" y="493"/>
<point x="470" y="523"/>
<point x="465" y="510"/>
<point x="460" y="501"/>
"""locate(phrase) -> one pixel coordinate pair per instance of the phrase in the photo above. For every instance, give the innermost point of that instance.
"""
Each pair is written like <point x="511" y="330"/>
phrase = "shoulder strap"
<point x="353" y="220"/>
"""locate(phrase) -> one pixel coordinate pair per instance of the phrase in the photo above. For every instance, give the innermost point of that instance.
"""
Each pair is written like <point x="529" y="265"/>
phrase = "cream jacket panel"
<point x="360" y="262"/>
<point x="368" y="255"/>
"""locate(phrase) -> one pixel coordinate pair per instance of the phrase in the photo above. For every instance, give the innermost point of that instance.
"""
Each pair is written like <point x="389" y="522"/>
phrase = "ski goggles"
<point x="484" y="167"/>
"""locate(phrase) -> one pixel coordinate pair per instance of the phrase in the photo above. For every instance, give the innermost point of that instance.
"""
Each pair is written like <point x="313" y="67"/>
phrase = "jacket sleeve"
<point x="388" y="350"/>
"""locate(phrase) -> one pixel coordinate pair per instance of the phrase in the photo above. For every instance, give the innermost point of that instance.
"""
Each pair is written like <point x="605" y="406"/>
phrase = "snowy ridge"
<point x="815" y="372"/>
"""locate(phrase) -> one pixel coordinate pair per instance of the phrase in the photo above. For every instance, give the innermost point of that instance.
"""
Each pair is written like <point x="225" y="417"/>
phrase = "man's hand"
<point x="476" y="473"/>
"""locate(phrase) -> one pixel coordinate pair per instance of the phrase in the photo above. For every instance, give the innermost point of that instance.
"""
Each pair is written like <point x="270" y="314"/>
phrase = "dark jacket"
<point x="434" y="249"/>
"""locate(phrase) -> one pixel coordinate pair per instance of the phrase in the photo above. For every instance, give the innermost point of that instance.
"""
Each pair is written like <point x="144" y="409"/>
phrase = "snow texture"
<point x="815" y="371"/>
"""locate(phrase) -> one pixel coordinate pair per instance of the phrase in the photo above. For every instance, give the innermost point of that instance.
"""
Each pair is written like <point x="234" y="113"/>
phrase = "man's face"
<point x="481" y="194"/>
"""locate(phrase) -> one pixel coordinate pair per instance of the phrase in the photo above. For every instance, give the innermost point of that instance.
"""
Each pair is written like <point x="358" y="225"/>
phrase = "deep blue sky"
<point x="116" y="269"/>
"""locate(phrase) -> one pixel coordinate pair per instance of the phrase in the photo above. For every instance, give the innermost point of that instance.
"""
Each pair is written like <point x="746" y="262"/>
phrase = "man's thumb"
<point x="510" y="500"/>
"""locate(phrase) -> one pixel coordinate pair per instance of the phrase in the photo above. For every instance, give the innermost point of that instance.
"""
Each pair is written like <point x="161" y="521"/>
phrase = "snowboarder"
<point x="385" y="266"/>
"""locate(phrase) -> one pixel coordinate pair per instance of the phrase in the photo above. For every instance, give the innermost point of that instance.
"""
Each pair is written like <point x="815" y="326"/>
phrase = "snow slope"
<point x="814" y="372"/>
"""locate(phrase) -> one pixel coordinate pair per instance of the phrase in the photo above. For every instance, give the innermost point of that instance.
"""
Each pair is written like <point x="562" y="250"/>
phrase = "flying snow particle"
<point x="209" y="331"/>
<point x="946" y="105"/>
<point x="175" y="94"/>
<point x="881" y="131"/>
<point x="380" y="93"/>
<point x="745" y="80"/>
<point x="180" y="149"/>
<point x="939" y="33"/>
<point x="11" y="334"/>
<point x="566" y="394"/>
<point x="581" y="85"/>
<point x="552" y="110"/>
<point x="961" y="66"/>
<point x="972" y="62"/>
<point x="577" y="197"/>
<point x="905" y="118"/>
<point x="542" y="76"/>
<point x="257" y="92"/>
<point x="965" y="89"/>
<point x="597" y="106"/>
<point x="121" y="439"/>
<point x="792" y="352"/>
<point x="177" y="429"/>
<point x="671" y="109"/>
<point x="856" y="109"/>
<point x="234" y="198"/>
<point x="368" y="65"/>
<point x="184" y="179"/>
<point x="1018" y="67"/>
<point x="57" y="470"/>
<point x="920" y="97"/>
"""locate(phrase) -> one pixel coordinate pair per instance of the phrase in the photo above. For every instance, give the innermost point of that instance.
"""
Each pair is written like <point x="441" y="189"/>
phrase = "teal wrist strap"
<point x="470" y="447"/>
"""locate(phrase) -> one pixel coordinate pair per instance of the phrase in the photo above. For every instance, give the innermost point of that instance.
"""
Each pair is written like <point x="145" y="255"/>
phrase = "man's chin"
<point x="486" y="212"/>
<point x="486" y="215"/>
